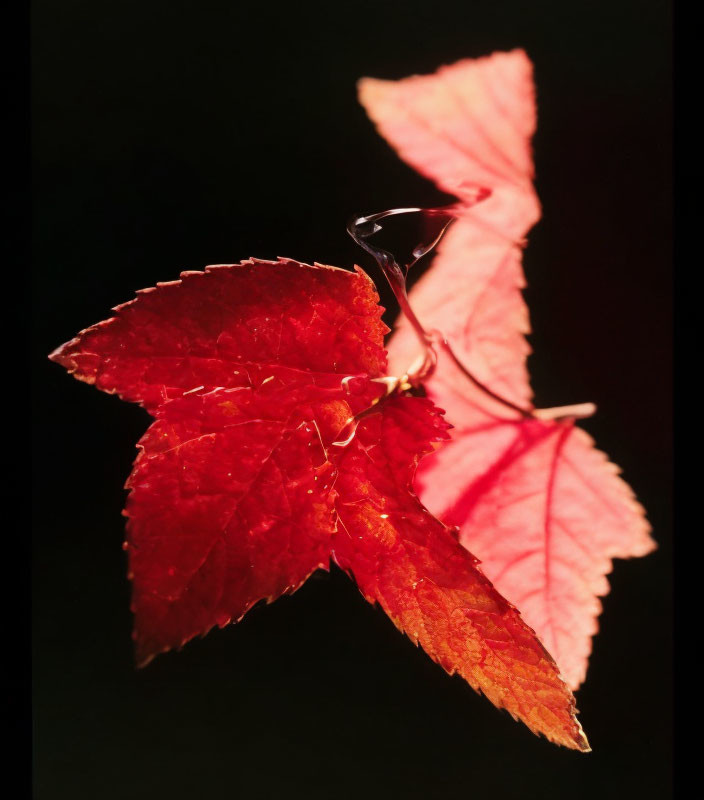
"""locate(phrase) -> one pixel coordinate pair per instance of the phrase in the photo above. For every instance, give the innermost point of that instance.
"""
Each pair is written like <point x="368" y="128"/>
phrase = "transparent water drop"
<point x="392" y="248"/>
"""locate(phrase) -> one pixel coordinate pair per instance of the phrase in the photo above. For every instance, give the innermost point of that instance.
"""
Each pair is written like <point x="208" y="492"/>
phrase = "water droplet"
<point x="402" y="225"/>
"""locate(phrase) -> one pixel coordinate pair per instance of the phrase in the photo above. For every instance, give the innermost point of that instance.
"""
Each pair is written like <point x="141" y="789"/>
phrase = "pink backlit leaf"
<point x="547" y="513"/>
<point x="470" y="125"/>
<point x="542" y="509"/>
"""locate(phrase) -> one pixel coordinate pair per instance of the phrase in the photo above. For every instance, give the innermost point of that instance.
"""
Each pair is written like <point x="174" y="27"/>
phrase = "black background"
<point x="167" y="136"/>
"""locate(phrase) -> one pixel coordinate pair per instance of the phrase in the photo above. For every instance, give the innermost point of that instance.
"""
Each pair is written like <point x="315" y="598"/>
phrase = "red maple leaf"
<point x="543" y="510"/>
<point x="277" y="447"/>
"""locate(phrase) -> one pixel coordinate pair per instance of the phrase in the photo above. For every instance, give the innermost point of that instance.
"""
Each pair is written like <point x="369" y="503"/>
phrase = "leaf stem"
<point x="524" y="412"/>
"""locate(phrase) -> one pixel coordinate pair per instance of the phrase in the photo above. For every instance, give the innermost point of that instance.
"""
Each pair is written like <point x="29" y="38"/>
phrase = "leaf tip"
<point x="581" y="742"/>
<point x="58" y="356"/>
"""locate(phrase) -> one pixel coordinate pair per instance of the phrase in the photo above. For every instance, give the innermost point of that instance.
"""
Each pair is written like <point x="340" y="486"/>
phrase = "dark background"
<point x="171" y="135"/>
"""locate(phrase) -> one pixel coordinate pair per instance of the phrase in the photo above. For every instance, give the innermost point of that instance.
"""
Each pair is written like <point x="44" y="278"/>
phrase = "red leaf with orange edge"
<point x="275" y="447"/>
